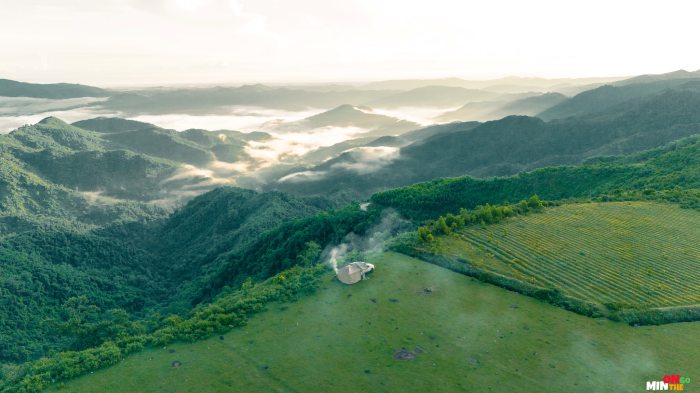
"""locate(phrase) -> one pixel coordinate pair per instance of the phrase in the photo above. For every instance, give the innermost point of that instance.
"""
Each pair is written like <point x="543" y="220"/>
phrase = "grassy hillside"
<point x="465" y="335"/>
<point x="635" y="253"/>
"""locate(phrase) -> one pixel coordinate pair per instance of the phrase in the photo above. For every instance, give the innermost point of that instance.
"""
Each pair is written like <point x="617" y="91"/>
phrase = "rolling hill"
<point x="604" y="97"/>
<point x="370" y="124"/>
<point x="507" y="85"/>
<point x="432" y="96"/>
<point x="611" y="258"/>
<point x="352" y="338"/>
<point x="518" y="143"/>
<point x="489" y="110"/>
<point x="213" y="100"/>
<point x="10" y="88"/>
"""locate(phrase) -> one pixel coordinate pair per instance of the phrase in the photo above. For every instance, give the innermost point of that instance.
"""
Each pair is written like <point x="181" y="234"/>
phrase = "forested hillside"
<point x="671" y="172"/>
<point x="516" y="144"/>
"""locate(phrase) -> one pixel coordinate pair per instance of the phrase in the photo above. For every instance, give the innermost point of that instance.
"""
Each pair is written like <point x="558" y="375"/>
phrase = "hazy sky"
<point x="124" y="42"/>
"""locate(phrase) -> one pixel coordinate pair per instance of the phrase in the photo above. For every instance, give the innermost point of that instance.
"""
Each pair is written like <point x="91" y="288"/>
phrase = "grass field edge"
<point x="634" y="316"/>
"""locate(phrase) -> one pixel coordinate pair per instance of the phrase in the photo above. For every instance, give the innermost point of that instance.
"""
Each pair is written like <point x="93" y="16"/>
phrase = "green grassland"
<point x="635" y="253"/>
<point x="471" y="337"/>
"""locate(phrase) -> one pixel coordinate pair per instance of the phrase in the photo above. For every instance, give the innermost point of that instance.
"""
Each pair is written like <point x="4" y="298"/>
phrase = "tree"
<point x="310" y="254"/>
<point x="535" y="203"/>
<point x="441" y="226"/>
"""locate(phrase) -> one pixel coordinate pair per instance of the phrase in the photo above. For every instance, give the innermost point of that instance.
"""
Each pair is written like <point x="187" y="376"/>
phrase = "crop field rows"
<point x="637" y="253"/>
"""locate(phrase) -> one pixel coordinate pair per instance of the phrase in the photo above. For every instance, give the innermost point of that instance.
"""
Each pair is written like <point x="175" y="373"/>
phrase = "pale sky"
<point x="137" y="42"/>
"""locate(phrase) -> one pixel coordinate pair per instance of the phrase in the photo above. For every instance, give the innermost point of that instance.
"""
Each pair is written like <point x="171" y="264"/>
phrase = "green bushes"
<point x="228" y="310"/>
<point x="487" y="214"/>
<point x="637" y="316"/>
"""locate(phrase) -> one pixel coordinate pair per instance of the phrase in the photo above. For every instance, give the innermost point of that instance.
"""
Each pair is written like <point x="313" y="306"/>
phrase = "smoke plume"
<point x="372" y="242"/>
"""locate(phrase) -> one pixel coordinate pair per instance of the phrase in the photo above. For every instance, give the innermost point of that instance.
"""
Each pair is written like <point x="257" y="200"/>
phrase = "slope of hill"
<point x="531" y="106"/>
<point x="372" y="124"/>
<point x="161" y="143"/>
<point x="84" y="161"/>
<point x="679" y="74"/>
<point x="109" y="153"/>
<point x="112" y="124"/>
<point x="489" y="110"/>
<point x="509" y="85"/>
<point x="326" y="153"/>
<point x="612" y="257"/>
<point x="433" y="96"/>
<point x="10" y="88"/>
<point x="604" y="97"/>
<point x="219" y="99"/>
<point x="462" y="335"/>
<point x="141" y="264"/>
<point x="516" y="143"/>
<point x="676" y="166"/>
<point x="224" y="221"/>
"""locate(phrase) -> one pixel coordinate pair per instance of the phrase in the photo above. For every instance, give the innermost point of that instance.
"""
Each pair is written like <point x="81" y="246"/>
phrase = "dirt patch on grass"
<point x="404" y="354"/>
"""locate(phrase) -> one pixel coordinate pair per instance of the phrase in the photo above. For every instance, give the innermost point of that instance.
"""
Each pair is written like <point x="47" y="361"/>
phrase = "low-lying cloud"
<point x="303" y="176"/>
<point x="367" y="159"/>
<point x="17" y="112"/>
<point x="239" y="118"/>
<point x="288" y="147"/>
<point x="360" y="160"/>
<point x="420" y="115"/>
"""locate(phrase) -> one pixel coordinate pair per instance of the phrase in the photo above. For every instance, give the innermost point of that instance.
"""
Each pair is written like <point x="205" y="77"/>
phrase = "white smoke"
<point x="335" y="253"/>
<point x="372" y="242"/>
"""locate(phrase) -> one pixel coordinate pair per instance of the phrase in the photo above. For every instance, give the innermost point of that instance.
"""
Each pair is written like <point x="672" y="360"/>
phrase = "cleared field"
<point x="466" y="336"/>
<point x="636" y="253"/>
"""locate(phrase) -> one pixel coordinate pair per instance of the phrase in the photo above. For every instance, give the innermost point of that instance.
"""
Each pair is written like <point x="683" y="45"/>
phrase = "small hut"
<point x="354" y="272"/>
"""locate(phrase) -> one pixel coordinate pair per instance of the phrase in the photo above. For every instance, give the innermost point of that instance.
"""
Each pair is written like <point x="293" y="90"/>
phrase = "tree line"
<point x="486" y="214"/>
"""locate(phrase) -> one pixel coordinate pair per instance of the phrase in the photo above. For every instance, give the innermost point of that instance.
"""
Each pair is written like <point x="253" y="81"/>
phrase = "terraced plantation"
<point x="634" y="253"/>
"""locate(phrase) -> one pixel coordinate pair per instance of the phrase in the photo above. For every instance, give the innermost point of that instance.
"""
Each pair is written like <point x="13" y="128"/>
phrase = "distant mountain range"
<point x="492" y="110"/>
<point x="10" y="88"/>
<point x="507" y="85"/>
<point x="604" y="97"/>
<point x="364" y="118"/>
<point x="519" y="143"/>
